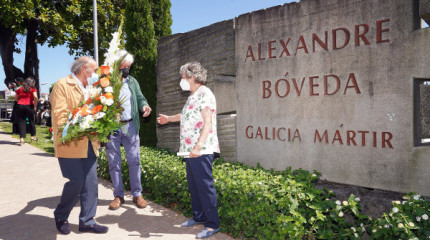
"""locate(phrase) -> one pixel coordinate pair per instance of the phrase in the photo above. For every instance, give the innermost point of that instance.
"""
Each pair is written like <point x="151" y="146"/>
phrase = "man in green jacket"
<point x="128" y="135"/>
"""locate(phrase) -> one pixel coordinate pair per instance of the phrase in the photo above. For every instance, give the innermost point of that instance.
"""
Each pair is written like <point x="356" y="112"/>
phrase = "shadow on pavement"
<point x="43" y="154"/>
<point x="143" y="225"/>
<point x="9" y="142"/>
<point x="28" y="225"/>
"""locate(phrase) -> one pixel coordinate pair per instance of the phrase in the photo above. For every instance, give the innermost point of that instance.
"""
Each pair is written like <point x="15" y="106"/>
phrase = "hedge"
<point x="256" y="203"/>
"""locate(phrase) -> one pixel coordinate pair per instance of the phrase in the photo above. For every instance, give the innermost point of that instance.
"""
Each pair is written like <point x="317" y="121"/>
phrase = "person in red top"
<point x="26" y="98"/>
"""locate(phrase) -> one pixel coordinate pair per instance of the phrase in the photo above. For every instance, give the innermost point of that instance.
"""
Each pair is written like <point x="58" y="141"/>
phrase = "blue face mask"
<point x="93" y="79"/>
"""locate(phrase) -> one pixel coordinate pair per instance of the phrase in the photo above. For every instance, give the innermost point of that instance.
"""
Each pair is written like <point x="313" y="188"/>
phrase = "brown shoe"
<point x="139" y="201"/>
<point x="114" y="205"/>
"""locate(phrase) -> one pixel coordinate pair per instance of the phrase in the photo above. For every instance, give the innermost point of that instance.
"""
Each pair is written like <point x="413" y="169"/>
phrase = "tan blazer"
<point x="66" y="96"/>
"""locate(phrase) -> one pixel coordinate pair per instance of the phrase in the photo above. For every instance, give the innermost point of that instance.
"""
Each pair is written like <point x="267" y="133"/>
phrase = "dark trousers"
<point x="82" y="185"/>
<point x="23" y="112"/>
<point x="202" y="190"/>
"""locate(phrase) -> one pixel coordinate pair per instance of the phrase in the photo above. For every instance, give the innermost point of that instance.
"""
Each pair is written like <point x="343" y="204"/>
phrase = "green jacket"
<point x="137" y="101"/>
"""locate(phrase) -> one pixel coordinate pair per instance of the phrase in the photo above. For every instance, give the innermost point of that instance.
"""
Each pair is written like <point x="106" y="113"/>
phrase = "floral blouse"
<point x="192" y="122"/>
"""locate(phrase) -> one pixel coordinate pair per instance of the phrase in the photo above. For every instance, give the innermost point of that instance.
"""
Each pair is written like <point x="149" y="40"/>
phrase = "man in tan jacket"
<point x="78" y="162"/>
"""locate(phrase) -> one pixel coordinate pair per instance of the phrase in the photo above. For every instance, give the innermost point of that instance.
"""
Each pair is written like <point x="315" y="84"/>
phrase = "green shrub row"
<point x="256" y="203"/>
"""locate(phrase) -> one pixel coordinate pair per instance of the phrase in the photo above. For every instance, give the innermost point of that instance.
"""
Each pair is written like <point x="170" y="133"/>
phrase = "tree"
<point x="146" y="21"/>
<point x="53" y="22"/>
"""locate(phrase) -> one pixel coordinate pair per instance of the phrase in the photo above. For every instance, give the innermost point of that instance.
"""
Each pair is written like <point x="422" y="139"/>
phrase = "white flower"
<point x="396" y="202"/>
<point x="111" y="55"/>
<point x="103" y="100"/>
<point x="400" y="225"/>
<point x="93" y="91"/>
<point x="345" y="203"/>
<point x="357" y="199"/>
<point x="404" y="202"/>
<point x="411" y="224"/>
<point x="417" y="197"/>
<point x="338" y="202"/>
<point x="99" y="115"/>
<point x="395" y="210"/>
<point x="109" y="102"/>
<point x="75" y="119"/>
<point x="418" y="218"/>
<point x="356" y="235"/>
<point x="425" y="216"/>
<point x="374" y="230"/>
<point x="387" y="226"/>
<point x="89" y="118"/>
<point x="353" y="229"/>
<point x="340" y="214"/>
<point x="109" y="89"/>
<point x="84" y="125"/>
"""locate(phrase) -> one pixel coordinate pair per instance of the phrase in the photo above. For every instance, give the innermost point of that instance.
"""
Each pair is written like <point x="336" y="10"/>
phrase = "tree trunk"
<point x="31" y="64"/>
<point x="7" y="47"/>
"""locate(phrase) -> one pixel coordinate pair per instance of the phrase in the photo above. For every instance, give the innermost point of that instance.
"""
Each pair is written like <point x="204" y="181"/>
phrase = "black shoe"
<point x="95" y="228"/>
<point x="62" y="226"/>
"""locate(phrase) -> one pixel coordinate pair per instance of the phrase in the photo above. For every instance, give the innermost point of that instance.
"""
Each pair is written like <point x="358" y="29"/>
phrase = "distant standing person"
<point x="78" y="160"/>
<point x="15" y="86"/>
<point x="128" y="136"/>
<point x="25" y="109"/>
<point x="198" y="143"/>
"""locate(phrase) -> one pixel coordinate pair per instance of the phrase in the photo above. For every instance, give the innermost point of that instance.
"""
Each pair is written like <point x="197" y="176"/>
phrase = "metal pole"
<point x="96" y="45"/>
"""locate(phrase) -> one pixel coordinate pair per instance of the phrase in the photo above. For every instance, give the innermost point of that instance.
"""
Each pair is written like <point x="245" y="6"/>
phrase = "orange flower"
<point x="105" y="70"/>
<point x="89" y="101"/>
<point x="104" y="82"/>
<point x="96" y="83"/>
<point x="76" y="111"/>
<point x="108" y="95"/>
<point x="84" y="111"/>
<point x="96" y="109"/>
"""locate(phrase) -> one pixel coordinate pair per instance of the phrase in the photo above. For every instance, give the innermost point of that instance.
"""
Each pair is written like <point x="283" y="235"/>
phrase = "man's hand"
<point x="146" y="111"/>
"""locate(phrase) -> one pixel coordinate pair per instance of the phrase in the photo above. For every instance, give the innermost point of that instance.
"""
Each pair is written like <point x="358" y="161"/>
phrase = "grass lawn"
<point x="42" y="133"/>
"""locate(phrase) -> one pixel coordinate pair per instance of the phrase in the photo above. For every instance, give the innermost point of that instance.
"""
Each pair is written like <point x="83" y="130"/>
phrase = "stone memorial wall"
<point x="326" y="85"/>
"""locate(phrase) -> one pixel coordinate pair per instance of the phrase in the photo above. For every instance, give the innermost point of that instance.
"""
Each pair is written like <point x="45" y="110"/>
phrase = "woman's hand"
<point x="195" y="152"/>
<point x="162" y="119"/>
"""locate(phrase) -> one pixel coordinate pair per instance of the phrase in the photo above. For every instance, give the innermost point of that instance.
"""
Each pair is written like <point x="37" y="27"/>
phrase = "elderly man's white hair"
<point x="129" y="58"/>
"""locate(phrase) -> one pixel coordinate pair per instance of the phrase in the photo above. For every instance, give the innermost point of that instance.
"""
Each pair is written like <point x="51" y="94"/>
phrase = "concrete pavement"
<point x="31" y="184"/>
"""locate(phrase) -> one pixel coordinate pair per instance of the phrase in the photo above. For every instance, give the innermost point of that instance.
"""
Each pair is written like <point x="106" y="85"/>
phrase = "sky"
<point x="187" y="15"/>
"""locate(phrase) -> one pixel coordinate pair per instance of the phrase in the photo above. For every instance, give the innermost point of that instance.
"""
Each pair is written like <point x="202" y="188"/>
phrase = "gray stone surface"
<point x="372" y="97"/>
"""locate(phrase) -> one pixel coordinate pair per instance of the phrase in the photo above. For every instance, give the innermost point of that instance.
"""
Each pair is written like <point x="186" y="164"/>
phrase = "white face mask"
<point x="93" y="79"/>
<point x="185" y="86"/>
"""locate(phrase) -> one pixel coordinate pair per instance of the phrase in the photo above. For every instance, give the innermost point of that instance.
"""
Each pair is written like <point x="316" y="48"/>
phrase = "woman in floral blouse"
<point x="198" y="143"/>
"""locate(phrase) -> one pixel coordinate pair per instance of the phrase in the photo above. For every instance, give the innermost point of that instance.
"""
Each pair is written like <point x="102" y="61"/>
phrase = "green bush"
<point x="257" y="203"/>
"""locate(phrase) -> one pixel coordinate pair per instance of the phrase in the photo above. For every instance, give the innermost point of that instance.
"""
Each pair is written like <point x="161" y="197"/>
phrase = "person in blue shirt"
<point x="128" y="135"/>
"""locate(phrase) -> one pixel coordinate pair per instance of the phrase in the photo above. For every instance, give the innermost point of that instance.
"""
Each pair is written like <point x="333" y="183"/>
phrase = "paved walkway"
<point x="31" y="183"/>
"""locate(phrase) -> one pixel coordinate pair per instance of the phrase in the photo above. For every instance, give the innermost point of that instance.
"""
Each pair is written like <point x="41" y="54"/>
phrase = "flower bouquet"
<point x="100" y="114"/>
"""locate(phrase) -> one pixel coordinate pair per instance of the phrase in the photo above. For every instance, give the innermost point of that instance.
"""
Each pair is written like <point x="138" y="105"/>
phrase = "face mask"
<point x="185" y="86"/>
<point x="125" y="72"/>
<point x="93" y="79"/>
